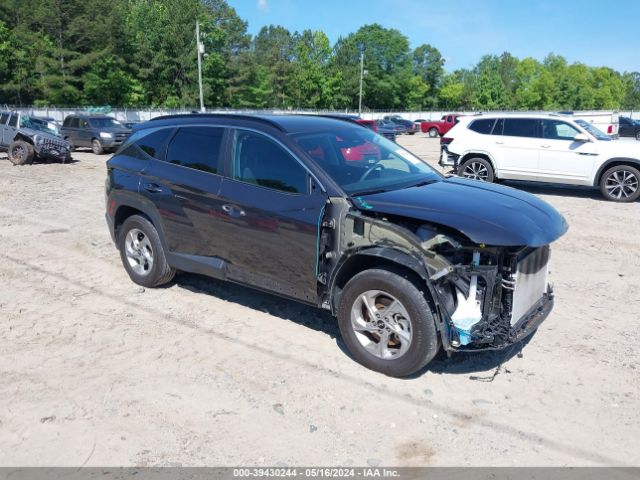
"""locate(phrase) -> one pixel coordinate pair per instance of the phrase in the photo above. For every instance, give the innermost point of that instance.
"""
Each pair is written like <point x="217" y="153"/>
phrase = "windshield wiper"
<point x="368" y="192"/>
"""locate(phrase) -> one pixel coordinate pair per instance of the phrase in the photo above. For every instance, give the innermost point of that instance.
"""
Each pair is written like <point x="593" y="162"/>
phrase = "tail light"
<point x="445" y="140"/>
<point x="610" y="129"/>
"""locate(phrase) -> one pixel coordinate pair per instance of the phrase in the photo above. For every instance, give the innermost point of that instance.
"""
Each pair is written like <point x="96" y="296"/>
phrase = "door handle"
<point x="152" y="187"/>
<point x="545" y="146"/>
<point x="499" y="142"/>
<point x="233" y="211"/>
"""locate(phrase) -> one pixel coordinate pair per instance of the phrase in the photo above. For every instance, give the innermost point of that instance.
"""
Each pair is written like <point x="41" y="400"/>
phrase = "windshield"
<point x="37" y="124"/>
<point x="106" y="122"/>
<point x="362" y="162"/>
<point x="593" y="130"/>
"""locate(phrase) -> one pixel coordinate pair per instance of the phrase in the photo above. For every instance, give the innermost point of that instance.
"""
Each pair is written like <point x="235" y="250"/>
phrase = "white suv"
<point x="543" y="148"/>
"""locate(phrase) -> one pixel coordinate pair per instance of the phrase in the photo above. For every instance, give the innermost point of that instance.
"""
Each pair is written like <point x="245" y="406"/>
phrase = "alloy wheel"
<point x="621" y="184"/>
<point x="381" y="324"/>
<point x="19" y="152"/>
<point x="476" y="171"/>
<point x="139" y="251"/>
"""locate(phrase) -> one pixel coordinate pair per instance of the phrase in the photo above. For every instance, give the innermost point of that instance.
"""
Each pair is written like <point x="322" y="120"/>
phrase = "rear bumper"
<point x="448" y="159"/>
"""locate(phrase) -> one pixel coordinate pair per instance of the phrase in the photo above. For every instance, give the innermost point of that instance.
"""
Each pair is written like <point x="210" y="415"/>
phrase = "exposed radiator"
<point x="530" y="282"/>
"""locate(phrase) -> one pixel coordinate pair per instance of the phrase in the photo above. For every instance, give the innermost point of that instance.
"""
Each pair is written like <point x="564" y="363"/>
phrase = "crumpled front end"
<point x="491" y="297"/>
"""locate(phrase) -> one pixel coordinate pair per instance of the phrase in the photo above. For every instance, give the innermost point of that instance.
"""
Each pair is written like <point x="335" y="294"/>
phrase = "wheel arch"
<point x="24" y="138"/>
<point x="376" y="257"/>
<point x="612" y="162"/>
<point x="126" y="205"/>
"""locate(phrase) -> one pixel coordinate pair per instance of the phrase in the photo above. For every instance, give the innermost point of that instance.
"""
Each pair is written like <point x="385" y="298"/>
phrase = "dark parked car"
<point x="410" y="127"/>
<point x="27" y="138"/>
<point x="100" y="132"/>
<point x="408" y="260"/>
<point x="629" y="128"/>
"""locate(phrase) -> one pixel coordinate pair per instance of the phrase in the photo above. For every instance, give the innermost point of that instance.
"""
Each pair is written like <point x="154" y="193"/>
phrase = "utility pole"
<point x="361" y="76"/>
<point x="200" y="48"/>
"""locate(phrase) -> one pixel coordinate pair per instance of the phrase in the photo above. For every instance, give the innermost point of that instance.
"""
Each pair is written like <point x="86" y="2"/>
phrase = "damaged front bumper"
<point x="518" y="332"/>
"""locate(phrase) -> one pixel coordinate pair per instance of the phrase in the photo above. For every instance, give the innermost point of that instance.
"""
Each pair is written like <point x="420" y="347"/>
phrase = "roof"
<point x="285" y="123"/>
<point x="515" y="114"/>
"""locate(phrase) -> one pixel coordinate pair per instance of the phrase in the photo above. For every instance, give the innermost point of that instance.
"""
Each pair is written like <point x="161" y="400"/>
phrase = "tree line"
<point x="142" y="53"/>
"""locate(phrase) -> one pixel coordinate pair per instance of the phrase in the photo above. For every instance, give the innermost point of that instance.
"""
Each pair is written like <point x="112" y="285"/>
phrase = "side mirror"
<point x="581" y="137"/>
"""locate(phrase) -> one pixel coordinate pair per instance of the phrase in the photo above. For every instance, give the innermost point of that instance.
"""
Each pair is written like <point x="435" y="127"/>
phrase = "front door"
<point x="10" y="129"/>
<point x="562" y="159"/>
<point x="517" y="148"/>
<point x="272" y="211"/>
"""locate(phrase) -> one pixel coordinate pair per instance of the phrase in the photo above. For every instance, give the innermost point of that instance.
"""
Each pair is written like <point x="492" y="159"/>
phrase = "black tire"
<point x="96" y="147"/>
<point x="21" y="153"/>
<point x="160" y="272"/>
<point x="638" y="136"/>
<point x="477" y="168"/>
<point x="424" y="344"/>
<point x="621" y="184"/>
<point x="433" y="132"/>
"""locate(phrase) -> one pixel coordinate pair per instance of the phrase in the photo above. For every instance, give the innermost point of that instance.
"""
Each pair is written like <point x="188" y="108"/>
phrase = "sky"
<point x="597" y="33"/>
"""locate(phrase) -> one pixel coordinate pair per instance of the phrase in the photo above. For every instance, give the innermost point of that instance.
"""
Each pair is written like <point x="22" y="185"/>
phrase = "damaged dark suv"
<point x="326" y="212"/>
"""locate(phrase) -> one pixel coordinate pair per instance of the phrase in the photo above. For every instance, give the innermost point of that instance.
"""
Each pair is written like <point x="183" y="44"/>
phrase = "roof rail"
<point x="235" y="116"/>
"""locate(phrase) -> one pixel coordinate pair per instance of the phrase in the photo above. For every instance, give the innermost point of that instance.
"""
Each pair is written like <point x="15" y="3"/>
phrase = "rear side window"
<point x="521" y="127"/>
<point x="483" y="126"/>
<point x="67" y="122"/>
<point x="197" y="148"/>
<point x="259" y="160"/>
<point x="75" y="122"/>
<point x="3" y="118"/>
<point x="153" y="143"/>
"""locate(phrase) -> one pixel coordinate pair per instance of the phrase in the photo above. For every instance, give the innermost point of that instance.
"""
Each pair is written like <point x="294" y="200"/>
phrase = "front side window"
<point x="483" y="126"/>
<point x="104" y="122"/>
<point x="13" y="121"/>
<point x="261" y="161"/>
<point x="521" y="127"/>
<point x="361" y="161"/>
<point x="557" y="130"/>
<point x="196" y="147"/>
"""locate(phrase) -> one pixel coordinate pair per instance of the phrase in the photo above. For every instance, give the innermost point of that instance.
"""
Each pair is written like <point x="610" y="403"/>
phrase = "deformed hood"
<point x="483" y="212"/>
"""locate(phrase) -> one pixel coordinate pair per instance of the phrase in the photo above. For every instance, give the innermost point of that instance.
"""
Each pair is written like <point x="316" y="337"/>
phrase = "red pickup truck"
<point x="441" y="127"/>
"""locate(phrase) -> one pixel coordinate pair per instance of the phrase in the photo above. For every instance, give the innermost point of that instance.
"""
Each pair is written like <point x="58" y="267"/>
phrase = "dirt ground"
<point x="95" y="370"/>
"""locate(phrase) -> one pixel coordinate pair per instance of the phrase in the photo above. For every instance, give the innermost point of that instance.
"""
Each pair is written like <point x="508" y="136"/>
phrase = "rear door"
<point x="10" y="129"/>
<point x="272" y="209"/>
<point x="84" y="133"/>
<point x="517" y="148"/>
<point x="184" y="185"/>
<point x="562" y="159"/>
<point x="4" y="118"/>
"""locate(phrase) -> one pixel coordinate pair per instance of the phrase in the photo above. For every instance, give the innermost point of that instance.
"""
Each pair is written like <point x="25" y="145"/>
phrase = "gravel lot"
<point x="95" y="370"/>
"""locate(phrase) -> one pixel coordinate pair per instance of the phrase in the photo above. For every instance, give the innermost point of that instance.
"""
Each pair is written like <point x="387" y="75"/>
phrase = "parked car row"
<point x="553" y="148"/>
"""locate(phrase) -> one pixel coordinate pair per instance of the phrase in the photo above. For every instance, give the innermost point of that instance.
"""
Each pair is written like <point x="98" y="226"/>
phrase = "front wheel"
<point x="638" y="136"/>
<point x="386" y="322"/>
<point x="621" y="184"/>
<point x="96" y="147"/>
<point x="21" y="153"/>
<point x="433" y="132"/>
<point x="477" y="169"/>
<point x="142" y="253"/>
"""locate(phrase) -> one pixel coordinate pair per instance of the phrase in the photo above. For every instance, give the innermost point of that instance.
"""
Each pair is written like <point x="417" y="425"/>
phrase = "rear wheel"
<point x="21" y="153"/>
<point x="386" y="322"/>
<point x="621" y="184"/>
<point x="477" y="169"/>
<point x="637" y="135"/>
<point x="433" y="132"/>
<point x="96" y="147"/>
<point x="142" y="253"/>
